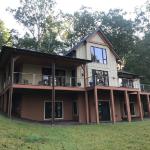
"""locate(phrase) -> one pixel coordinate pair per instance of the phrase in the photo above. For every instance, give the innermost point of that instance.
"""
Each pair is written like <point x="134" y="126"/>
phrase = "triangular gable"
<point x="102" y="37"/>
<point x="95" y="38"/>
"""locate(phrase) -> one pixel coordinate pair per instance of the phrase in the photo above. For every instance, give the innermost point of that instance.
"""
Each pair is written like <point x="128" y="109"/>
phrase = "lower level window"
<point x="58" y="110"/>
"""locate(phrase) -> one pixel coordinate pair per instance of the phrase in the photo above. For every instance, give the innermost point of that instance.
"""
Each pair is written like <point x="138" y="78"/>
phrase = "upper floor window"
<point x="99" y="55"/>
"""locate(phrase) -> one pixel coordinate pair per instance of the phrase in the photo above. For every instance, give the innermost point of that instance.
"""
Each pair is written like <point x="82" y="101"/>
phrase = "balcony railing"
<point x="46" y="80"/>
<point x="104" y="81"/>
<point x="128" y="83"/>
<point x="145" y="87"/>
<point x="95" y="80"/>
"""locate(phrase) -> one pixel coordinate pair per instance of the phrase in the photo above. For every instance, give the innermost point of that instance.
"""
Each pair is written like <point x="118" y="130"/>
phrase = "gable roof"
<point x="100" y="32"/>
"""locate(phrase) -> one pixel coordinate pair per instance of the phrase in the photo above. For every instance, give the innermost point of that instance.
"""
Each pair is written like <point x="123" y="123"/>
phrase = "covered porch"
<point x="37" y="105"/>
<point x="112" y="105"/>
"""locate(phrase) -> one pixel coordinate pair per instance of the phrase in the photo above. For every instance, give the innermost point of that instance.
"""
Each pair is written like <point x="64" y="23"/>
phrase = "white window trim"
<point x="47" y="119"/>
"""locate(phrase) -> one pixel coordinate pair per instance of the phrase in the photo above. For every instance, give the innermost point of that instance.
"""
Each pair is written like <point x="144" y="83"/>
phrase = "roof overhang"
<point x="128" y="75"/>
<point x="7" y="52"/>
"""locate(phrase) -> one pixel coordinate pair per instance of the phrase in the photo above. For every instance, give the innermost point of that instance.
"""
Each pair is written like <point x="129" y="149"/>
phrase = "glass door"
<point x="58" y="110"/>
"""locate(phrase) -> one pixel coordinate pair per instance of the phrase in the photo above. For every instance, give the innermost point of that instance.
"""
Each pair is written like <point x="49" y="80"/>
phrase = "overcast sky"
<point x="71" y="6"/>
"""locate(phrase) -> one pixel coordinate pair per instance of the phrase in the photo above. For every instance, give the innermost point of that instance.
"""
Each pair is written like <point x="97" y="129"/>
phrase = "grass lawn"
<point x="17" y="135"/>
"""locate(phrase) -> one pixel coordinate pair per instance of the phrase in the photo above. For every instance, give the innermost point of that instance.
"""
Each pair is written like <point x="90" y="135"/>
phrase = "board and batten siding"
<point x="84" y="52"/>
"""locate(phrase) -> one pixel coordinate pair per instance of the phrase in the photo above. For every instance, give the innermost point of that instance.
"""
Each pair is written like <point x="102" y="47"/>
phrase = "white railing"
<point x="46" y="80"/>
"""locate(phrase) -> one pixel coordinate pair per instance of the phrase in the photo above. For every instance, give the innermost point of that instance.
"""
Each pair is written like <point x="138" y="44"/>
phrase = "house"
<point x="84" y="86"/>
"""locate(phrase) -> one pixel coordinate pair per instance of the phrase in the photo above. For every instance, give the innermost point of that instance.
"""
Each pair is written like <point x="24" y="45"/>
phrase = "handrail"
<point x="41" y="79"/>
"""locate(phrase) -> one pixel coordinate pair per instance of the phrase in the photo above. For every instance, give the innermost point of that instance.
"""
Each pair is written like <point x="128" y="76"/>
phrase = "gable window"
<point x="98" y="55"/>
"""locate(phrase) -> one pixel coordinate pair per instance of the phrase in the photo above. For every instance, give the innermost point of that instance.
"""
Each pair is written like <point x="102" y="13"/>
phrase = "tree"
<point x="139" y="61"/>
<point x="80" y="24"/>
<point x="5" y="35"/>
<point x="37" y="16"/>
<point x="120" y="31"/>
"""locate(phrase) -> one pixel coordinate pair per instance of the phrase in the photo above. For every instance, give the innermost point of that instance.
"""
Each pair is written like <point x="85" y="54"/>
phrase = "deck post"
<point x="96" y="105"/>
<point x="53" y="93"/>
<point x="127" y="103"/>
<point x="11" y="86"/>
<point x="140" y="105"/>
<point x="86" y="93"/>
<point x="148" y="105"/>
<point x="113" y="114"/>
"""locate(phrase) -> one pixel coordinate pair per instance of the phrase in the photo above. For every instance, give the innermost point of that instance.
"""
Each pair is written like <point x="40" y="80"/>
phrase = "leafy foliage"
<point x="5" y="35"/>
<point x="37" y="16"/>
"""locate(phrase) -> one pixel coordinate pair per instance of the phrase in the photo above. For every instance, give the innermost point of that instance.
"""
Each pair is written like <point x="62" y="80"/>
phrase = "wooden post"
<point x="148" y="105"/>
<point x="86" y="94"/>
<point x="127" y="106"/>
<point x="96" y="105"/>
<point x="140" y="105"/>
<point x="53" y="93"/>
<point x="11" y="86"/>
<point x="113" y="114"/>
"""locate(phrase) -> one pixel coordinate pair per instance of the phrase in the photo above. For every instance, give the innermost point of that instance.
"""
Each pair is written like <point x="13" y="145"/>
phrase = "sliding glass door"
<point x="48" y="110"/>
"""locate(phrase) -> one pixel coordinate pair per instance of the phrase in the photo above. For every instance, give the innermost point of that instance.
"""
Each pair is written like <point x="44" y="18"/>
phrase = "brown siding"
<point x="82" y="111"/>
<point x="92" y="109"/>
<point x="33" y="106"/>
<point x="117" y="109"/>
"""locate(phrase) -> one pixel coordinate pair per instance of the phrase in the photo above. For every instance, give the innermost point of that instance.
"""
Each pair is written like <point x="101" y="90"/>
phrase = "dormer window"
<point x="98" y="55"/>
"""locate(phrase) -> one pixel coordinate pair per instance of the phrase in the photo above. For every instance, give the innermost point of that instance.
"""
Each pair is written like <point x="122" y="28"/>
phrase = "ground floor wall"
<point x="32" y="106"/>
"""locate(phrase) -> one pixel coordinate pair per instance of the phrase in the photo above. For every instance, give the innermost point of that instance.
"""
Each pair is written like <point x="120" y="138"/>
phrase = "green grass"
<point x="17" y="135"/>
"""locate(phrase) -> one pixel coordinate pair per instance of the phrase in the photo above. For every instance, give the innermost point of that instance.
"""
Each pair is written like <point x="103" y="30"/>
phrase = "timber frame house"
<point x="84" y="86"/>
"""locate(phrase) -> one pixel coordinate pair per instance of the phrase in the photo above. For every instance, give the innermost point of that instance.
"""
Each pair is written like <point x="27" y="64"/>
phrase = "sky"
<point x="70" y="6"/>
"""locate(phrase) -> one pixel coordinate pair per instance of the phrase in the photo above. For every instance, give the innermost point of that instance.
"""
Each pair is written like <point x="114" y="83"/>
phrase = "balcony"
<point x="145" y="87"/>
<point x="46" y="80"/>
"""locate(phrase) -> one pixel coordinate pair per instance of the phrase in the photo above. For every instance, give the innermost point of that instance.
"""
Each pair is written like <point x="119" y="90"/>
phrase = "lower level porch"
<point x="36" y="105"/>
<point x="104" y="105"/>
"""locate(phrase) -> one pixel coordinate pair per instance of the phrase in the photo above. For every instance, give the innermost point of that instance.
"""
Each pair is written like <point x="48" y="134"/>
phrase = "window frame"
<point x="104" y="60"/>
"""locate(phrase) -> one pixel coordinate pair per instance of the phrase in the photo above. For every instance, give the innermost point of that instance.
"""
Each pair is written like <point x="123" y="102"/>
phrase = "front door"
<point x="104" y="110"/>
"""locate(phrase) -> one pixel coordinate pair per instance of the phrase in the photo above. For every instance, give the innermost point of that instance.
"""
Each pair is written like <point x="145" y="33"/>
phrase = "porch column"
<point x="96" y="105"/>
<point x="140" y="105"/>
<point x="86" y="93"/>
<point x="148" y="105"/>
<point x="11" y="86"/>
<point x="53" y="93"/>
<point x="127" y="106"/>
<point x="113" y="114"/>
